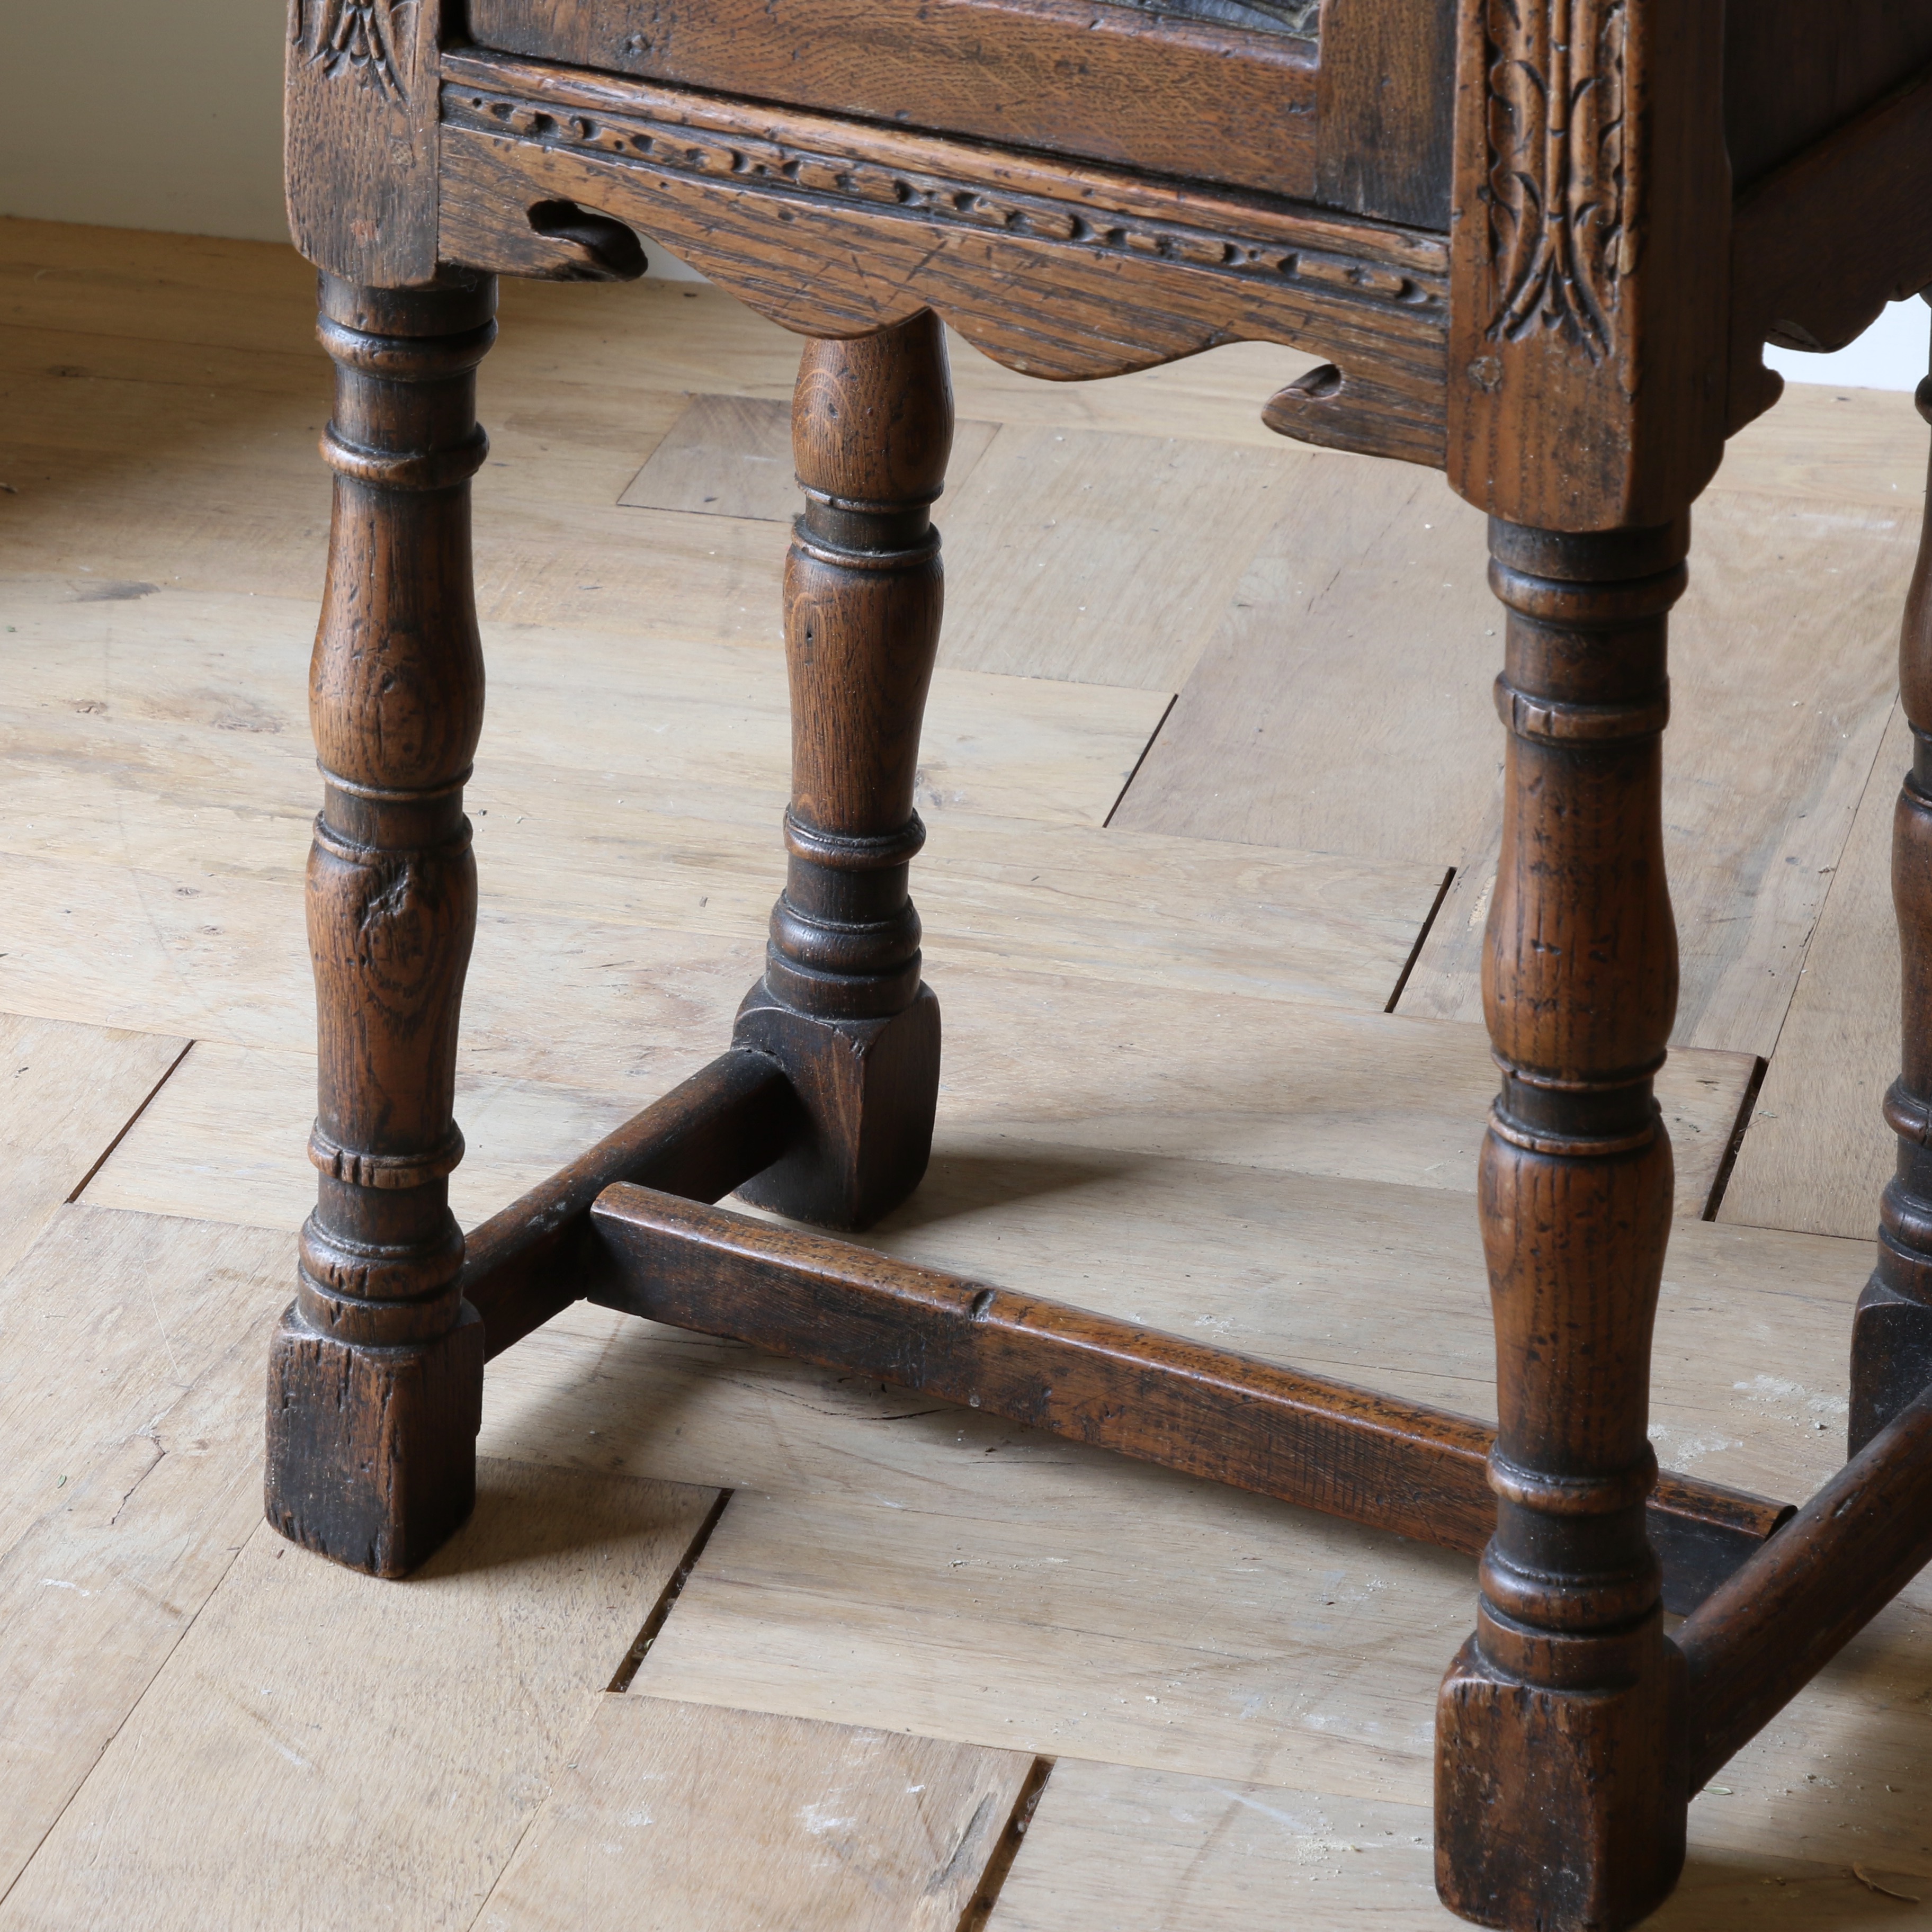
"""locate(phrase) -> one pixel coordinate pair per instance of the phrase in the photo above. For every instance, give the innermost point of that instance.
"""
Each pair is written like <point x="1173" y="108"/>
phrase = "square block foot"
<point x="1892" y="1359"/>
<point x="372" y="1452"/>
<point x="1558" y="1811"/>
<point x="869" y="1088"/>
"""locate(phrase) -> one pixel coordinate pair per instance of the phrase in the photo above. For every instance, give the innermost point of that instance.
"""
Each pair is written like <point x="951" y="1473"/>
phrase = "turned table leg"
<point x="841" y="1006"/>
<point x="376" y="1375"/>
<point x="1892" y="1333"/>
<point x="1560" y="1737"/>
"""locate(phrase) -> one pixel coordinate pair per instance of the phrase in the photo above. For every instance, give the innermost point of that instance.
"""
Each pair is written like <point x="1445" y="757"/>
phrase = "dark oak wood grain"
<point x="1821" y="245"/>
<point x="1892" y="1332"/>
<point x="1385" y="107"/>
<point x="1059" y="270"/>
<point x="360" y="137"/>
<point x="730" y="1121"/>
<point x="1590" y="227"/>
<point x="1569" y="1672"/>
<point x="1403" y="1467"/>
<point x="376" y="1378"/>
<point x="1794" y="71"/>
<point x="842" y="1007"/>
<point x="1148" y="89"/>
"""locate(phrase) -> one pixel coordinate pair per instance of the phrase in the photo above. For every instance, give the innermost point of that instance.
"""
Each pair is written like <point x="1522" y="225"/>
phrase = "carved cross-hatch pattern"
<point x="357" y="38"/>
<point x="1560" y="173"/>
<point x="774" y="166"/>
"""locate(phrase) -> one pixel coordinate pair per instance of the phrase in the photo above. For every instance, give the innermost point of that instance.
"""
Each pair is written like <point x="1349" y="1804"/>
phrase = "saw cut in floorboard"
<point x="1104" y="558"/>
<point x="1289" y="1085"/>
<point x="1300" y="725"/>
<point x="369" y="1753"/>
<point x="1113" y="1847"/>
<point x="66" y="1093"/>
<point x="202" y="700"/>
<point x="1818" y="1153"/>
<point x="1786" y="642"/>
<point x="672" y="1817"/>
<point x="136" y="1311"/>
<point x="128" y="1481"/>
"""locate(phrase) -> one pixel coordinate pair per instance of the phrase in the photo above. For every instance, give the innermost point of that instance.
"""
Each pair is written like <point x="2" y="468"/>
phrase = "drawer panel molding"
<point x="1060" y="269"/>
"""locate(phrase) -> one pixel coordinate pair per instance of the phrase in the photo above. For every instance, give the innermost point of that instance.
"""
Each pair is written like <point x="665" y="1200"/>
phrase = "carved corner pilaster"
<point x="1588" y="259"/>
<point x="360" y="145"/>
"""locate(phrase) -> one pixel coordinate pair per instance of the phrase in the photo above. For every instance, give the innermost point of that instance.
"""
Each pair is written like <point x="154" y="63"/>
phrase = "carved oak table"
<point x="1541" y="244"/>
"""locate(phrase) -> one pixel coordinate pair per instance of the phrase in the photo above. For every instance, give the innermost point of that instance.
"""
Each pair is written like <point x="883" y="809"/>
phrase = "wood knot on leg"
<point x="376" y="1375"/>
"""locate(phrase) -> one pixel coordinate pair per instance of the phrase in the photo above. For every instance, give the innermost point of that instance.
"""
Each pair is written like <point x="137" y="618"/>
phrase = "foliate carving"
<point x="755" y="164"/>
<point x="357" y="39"/>
<point x="1561" y="168"/>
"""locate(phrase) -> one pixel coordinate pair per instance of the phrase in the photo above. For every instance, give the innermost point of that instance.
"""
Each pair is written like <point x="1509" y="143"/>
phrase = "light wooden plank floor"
<point x="1166" y="944"/>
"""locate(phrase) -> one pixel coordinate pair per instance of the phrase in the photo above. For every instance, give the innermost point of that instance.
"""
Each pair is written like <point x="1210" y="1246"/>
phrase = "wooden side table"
<point x="1541" y="243"/>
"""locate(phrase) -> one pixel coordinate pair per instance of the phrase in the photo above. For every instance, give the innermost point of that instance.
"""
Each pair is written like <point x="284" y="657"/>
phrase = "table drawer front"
<point x="1198" y="98"/>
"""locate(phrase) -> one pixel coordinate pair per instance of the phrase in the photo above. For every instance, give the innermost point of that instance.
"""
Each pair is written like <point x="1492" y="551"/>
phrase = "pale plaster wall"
<point x="144" y="114"/>
<point x="164" y="114"/>
<point x="1891" y="354"/>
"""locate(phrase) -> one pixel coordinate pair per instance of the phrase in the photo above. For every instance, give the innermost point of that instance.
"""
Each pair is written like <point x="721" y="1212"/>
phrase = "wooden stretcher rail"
<point x="1418" y="1471"/>
<point x="1773" y="1625"/>
<point x="730" y="1121"/>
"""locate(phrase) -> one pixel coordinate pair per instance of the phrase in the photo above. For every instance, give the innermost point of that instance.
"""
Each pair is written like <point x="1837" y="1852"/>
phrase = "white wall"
<point x="1891" y="354"/>
<point x="167" y="114"/>
<point x="144" y="113"/>
<point x="164" y="114"/>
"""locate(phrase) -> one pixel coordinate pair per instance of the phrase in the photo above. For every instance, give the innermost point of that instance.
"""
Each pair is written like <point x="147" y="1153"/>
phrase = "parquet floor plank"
<point x="324" y="1749"/>
<point x="1784" y="670"/>
<point x="1817" y="1153"/>
<point x="130" y="1428"/>
<point x="677" y="1816"/>
<point x="67" y="1092"/>
<point x="1112" y="1847"/>
<point x="1783" y="675"/>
